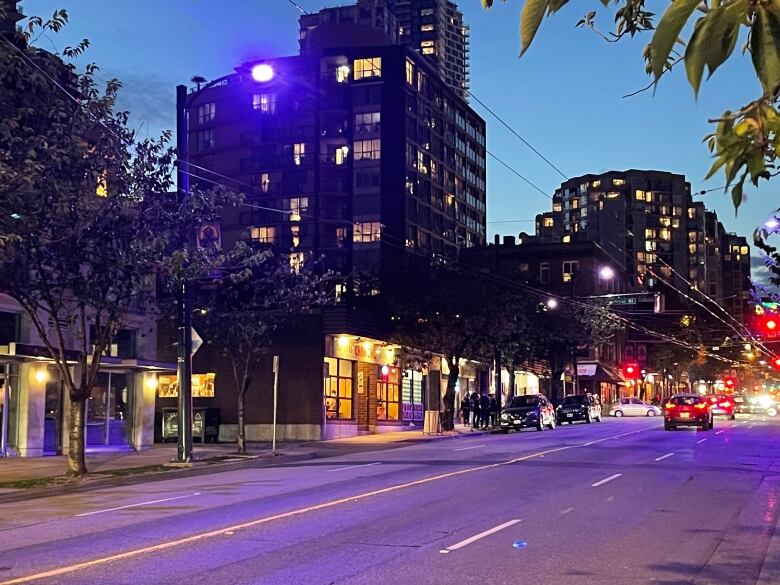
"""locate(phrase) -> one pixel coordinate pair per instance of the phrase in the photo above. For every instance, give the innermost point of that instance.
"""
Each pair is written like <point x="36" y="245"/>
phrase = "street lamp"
<point x="552" y="303"/>
<point x="607" y="273"/>
<point x="261" y="72"/>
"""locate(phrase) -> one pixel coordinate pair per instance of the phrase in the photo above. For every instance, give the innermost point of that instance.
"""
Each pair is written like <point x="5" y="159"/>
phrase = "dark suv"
<point x="585" y="407"/>
<point x="530" y="410"/>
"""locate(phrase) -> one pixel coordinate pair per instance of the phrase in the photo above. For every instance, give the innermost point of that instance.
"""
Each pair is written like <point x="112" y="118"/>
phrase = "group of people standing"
<point x="479" y="411"/>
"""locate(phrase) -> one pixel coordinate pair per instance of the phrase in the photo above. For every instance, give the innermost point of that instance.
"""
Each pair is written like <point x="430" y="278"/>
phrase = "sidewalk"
<point x="18" y="474"/>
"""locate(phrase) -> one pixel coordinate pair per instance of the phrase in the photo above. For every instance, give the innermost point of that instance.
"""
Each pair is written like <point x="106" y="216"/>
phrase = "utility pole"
<point x="497" y="421"/>
<point x="184" y="294"/>
<point x="4" y="451"/>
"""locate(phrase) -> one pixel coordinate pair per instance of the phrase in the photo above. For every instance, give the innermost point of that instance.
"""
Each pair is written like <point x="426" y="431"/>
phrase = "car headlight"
<point x="505" y="416"/>
<point x="766" y="401"/>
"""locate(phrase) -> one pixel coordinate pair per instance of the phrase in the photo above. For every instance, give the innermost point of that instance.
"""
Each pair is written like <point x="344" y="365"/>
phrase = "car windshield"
<point x="521" y="401"/>
<point x="685" y="400"/>
<point x="575" y="400"/>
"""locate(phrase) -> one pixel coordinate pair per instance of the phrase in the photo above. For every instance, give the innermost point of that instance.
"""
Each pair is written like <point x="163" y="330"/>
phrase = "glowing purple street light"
<point x="262" y="72"/>
<point x="606" y="273"/>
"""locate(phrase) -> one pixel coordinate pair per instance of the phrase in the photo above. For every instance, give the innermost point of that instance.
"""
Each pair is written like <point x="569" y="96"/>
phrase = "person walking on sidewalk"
<point x="475" y="410"/>
<point x="484" y="409"/>
<point x="493" y="410"/>
<point x="465" y="409"/>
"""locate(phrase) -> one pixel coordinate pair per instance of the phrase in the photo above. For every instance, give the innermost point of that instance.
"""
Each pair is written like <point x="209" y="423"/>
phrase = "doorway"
<point x="109" y="410"/>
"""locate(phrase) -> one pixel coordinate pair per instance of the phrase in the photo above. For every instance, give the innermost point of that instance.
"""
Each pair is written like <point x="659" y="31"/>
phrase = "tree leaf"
<point x="530" y="19"/>
<point x="736" y="194"/>
<point x="695" y="56"/>
<point x="668" y="31"/>
<point x="556" y="5"/>
<point x="725" y="23"/>
<point x="765" y="46"/>
<point x="487" y="4"/>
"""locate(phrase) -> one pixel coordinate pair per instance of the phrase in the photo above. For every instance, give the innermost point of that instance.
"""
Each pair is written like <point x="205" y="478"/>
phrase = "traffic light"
<point x="730" y="383"/>
<point x="776" y="363"/>
<point x="630" y="371"/>
<point x="767" y="323"/>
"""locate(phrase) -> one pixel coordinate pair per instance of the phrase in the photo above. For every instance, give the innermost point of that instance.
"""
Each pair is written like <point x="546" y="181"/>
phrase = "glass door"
<point x="109" y="410"/>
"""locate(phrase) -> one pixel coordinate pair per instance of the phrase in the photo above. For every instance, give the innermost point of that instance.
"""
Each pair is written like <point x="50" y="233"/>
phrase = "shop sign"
<point x="362" y="351"/>
<point x="361" y="383"/>
<point x="202" y="386"/>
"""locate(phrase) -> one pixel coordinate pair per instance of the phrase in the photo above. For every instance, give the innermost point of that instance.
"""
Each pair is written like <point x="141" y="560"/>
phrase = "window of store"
<point x="109" y="409"/>
<point x="411" y="395"/>
<point x="339" y="388"/>
<point x="387" y="395"/>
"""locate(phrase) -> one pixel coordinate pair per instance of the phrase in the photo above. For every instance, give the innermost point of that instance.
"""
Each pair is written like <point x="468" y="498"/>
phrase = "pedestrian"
<point x="493" y="410"/>
<point x="475" y="410"/>
<point x="484" y="409"/>
<point x="465" y="409"/>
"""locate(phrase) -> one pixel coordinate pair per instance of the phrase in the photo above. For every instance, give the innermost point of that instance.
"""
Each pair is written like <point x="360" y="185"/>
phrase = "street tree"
<point x="258" y="297"/>
<point x="87" y="220"/>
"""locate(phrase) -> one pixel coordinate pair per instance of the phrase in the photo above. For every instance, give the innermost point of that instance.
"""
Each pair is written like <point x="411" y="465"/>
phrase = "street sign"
<point x="197" y="341"/>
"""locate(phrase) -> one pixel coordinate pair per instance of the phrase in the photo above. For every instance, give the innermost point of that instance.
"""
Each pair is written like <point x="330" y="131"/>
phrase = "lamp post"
<point x="260" y="73"/>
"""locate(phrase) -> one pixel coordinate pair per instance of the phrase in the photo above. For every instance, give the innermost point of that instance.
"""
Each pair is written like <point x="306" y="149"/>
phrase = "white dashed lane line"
<point x="662" y="457"/>
<point x="606" y="480"/>
<point x="479" y="536"/>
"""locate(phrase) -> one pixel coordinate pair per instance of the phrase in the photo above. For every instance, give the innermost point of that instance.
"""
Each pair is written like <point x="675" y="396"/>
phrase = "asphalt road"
<point x="618" y="502"/>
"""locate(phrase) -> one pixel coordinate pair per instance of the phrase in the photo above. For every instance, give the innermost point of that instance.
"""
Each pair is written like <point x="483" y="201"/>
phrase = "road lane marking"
<point x="355" y="466"/>
<point x="721" y="432"/>
<point x="479" y="536"/>
<point x="700" y="441"/>
<point x="662" y="457"/>
<point x="606" y="480"/>
<point x="136" y="505"/>
<point x="566" y="511"/>
<point x="280" y="516"/>
<point x="472" y="447"/>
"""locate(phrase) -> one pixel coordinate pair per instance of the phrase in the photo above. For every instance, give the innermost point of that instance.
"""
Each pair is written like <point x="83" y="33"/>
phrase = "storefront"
<point x="600" y="379"/>
<point x="365" y="388"/>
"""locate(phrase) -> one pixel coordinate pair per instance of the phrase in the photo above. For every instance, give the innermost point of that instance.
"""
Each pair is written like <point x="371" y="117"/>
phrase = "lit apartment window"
<point x="342" y="153"/>
<point x="570" y="268"/>
<point x="409" y="72"/>
<point x="692" y="236"/>
<point x="426" y="12"/>
<point x="566" y="239"/>
<point x="342" y="74"/>
<point x="549" y="222"/>
<point x="428" y="51"/>
<point x="618" y="182"/>
<point x="544" y="272"/>
<point x="665" y="234"/>
<point x="367" y="121"/>
<point x="295" y="235"/>
<point x="640" y="195"/>
<point x="296" y="261"/>
<point x="366" y="232"/>
<point x="596" y="184"/>
<point x="263" y="234"/>
<point x="650" y="233"/>
<point x="365" y="68"/>
<point x="613" y="194"/>
<point x="691" y="248"/>
<point x="206" y="112"/>
<point x="575" y="204"/>
<point x="298" y="206"/>
<point x="744" y="250"/>
<point x="691" y="212"/>
<point x="664" y="221"/>
<point x="367" y="149"/>
<point x="341" y="236"/>
<point x="265" y="182"/>
<point x="206" y="139"/>
<point x="426" y="28"/>
<point x="557" y="207"/>
<point x="101" y="186"/>
<point x="264" y="102"/>
<point x="299" y="152"/>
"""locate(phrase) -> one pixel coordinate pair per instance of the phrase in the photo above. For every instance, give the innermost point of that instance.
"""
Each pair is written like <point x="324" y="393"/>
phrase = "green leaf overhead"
<point x="668" y="31"/>
<point x="530" y="19"/>
<point x="765" y="45"/>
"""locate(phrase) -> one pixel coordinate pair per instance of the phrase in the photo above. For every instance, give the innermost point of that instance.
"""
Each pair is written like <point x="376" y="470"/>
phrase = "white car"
<point x="633" y="407"/>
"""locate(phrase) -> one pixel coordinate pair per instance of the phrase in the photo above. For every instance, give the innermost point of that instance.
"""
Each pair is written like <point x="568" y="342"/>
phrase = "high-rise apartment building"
<point x="347" y="154"/>
<point x="433" y="28"/>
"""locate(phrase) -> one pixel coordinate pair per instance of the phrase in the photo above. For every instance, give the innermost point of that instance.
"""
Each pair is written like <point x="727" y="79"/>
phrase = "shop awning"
<point x="598" y="373"/>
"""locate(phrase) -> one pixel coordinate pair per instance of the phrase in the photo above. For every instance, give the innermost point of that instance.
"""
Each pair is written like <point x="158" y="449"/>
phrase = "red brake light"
<point x="725" y="404"/>
<point x="700" y="405"/>
<point x="669" y="405"/>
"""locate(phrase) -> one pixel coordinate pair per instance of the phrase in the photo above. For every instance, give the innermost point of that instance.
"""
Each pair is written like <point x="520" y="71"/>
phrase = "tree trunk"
<point x="448" y="402"/>
<point x="77" y="465"/>
<point x="241" y="423"/>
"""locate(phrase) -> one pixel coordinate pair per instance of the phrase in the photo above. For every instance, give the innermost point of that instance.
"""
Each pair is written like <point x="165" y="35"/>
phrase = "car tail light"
<point x="700" y="405"/>
<point x="725" y="404"/>
<point x="670" y="405"/>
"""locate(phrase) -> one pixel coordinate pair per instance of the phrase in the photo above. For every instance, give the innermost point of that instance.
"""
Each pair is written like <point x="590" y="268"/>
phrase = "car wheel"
<point x="540" y="425"/>
<point x="733" y="417"/>
<point x="618" y="413"/>
<point x="552" y="424"/>
<point x="668" y="426"/>
<point x="650" y="413"/>
<point x="588" y="419"/>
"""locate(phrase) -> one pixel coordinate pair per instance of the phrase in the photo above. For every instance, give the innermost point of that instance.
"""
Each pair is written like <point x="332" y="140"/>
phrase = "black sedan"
<point x="530" y="410"/>
<point x="579" y="407"/>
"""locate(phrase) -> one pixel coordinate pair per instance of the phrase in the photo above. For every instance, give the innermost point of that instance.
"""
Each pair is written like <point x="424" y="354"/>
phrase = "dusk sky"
<point x="563" y="96"/>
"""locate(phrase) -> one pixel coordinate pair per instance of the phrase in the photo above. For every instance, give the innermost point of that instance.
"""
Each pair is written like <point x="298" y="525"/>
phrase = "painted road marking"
<point x="566" y="511"/>
<point x="472" y="447"/>
<point x="700" y="441"/>
<point x="136" y="505"/>
<point x="479" y="536"/>
<point x="280" y="516"/>
<point x="355" y="466"/>
<point x="662" y="457"/>
<point x="721" y="432"/>
<point x="606" y="479"/>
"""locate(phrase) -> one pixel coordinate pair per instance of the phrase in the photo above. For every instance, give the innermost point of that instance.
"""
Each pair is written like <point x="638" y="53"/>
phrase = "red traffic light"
<point x="768" y="325"/>
<point x="730" y="383"/>
<point x="631" y="371"/>
<point x="776" y="363"/>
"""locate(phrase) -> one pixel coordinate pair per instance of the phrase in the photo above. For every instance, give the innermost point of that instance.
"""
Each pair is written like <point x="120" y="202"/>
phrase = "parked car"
<point x="722" y="404"/>
<point x="576" y="407"/>
<point x="530" y="410"/>
<point x="633" y="407"/>
<point x="687" y="410"/>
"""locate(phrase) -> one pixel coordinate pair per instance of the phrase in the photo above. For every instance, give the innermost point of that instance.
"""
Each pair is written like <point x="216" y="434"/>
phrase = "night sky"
<point x="564" y="96"/>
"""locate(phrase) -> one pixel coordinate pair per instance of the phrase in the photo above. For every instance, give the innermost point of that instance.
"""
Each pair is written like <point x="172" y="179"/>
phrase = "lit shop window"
<point x="338" y="388"/>
<point x="388" y="405"/>
<point x="365" y="68"/>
